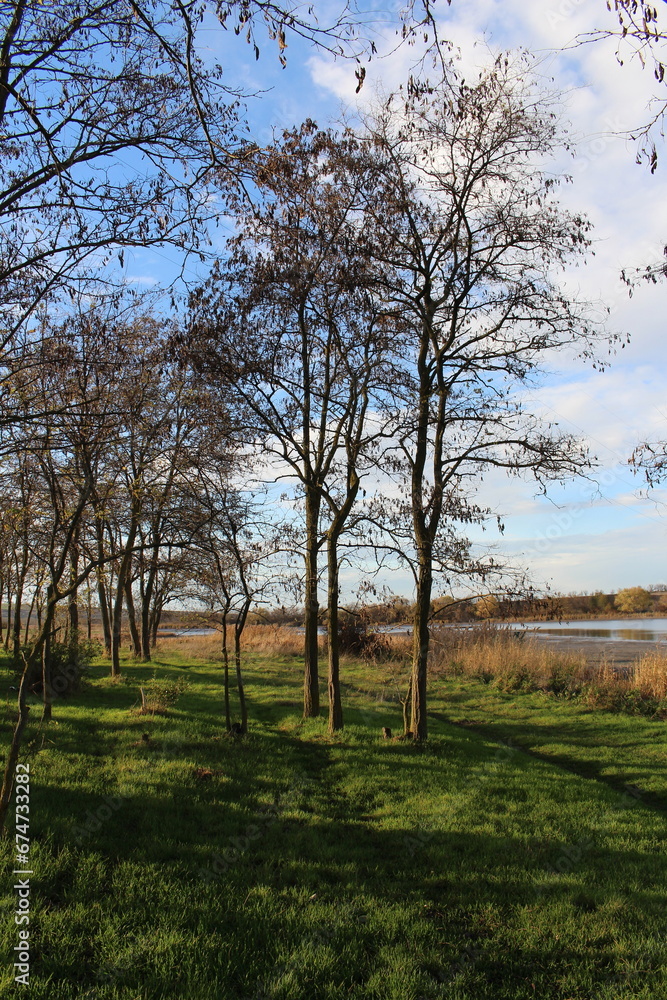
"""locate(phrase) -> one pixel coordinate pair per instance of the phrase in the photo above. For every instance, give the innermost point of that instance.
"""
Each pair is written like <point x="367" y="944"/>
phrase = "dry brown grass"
<point x="400" y="646"/>
<point x="513" y="662"/>
<point x="275" y="640"/>
<point x="271" y="640"/>
<point x="649" y="676"/>
<point x="194" y="647"/>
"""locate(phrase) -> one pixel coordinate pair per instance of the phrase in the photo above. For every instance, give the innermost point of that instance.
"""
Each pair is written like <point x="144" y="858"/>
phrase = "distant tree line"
<point x="489" y="607"/>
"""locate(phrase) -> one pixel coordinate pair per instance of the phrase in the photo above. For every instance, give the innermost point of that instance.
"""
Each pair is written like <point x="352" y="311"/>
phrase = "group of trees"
<point x="386" y="297"/>
<point x="365" y="339"/>
<point x="387" y="293"/>
<point x="125" y="474"/>
<point x="119" y="130"/>
<point x="118" y="496"/>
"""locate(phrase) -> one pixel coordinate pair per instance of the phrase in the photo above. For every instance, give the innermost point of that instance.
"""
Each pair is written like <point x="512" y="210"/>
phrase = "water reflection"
<point x="631" y="629"/>
<point x="606" y="633"/>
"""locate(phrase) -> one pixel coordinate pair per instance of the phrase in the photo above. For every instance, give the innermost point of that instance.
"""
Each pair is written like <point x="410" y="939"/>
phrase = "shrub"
<point x="157" y="696"/>
<point x="487" y="606"/>
<point x="357" y="639"/>
<point x="69" y="662"/>
<point x="633" y="600"/>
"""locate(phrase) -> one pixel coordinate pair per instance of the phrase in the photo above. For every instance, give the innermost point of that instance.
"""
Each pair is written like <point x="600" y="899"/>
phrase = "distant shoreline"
<point x="608" y="617"/>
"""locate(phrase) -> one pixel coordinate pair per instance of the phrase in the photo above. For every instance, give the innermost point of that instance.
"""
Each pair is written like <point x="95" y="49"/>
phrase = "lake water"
<point x="611" y="630"/>
<point x="614" y="630"/>
<point x="598" y="629"/>
<point x="646" y="629"/>
<point x="166" y="632"/>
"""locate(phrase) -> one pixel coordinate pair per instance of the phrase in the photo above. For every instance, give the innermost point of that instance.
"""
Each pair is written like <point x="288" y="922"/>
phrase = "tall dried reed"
<point x="275" y="640"/>
<point x="270" y="640"/>
<point x="649" y="675"/>
<point x="513" y="661"/>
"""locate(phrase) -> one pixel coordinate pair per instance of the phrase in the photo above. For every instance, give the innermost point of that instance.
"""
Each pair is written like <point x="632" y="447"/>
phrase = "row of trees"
<point x="120" y="495"/>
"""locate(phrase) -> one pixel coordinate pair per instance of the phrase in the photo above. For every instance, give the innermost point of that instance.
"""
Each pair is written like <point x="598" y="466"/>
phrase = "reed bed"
<point x="649" y="676"/>
<point x="275" y="640"/>
<point x="515" y="662"/>
<point x="512" y="661"/>
<point x="195" y="647"/>
<point x="269" y="640"/>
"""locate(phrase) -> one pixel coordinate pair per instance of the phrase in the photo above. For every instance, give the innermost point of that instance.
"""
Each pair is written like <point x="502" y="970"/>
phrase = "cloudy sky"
<point x="587" y="535"/>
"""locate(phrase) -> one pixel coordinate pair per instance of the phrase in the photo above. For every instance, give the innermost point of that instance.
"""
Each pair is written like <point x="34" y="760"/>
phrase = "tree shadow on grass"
<point x="304" y="908"/>
<point x="290" y="866"/>
<point x="527" y="738"/>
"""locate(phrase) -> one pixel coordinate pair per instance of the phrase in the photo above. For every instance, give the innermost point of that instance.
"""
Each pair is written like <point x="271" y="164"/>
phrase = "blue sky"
<point x="587" y="535"/>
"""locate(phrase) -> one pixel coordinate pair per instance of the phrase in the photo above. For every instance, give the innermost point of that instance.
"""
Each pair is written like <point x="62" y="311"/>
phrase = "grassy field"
<point x="518" y="854"/>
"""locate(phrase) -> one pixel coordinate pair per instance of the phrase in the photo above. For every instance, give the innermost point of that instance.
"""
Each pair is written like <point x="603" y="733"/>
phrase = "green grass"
<point x="293" y="866"/>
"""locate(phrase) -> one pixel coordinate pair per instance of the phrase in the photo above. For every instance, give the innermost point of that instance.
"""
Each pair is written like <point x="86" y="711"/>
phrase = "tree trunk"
<point x="104" y="612"/>
<point x="225" y="663"/>
<point x="406" y="704"/>
<point x="26" y="631"/>
<point x="148" y="617"/>
<point x="8" y="633"/>
<point x="424" y="545"/>
<point x="239" y="681"/>
<point x="116" y="633"/>
<point x="73" y="599"/>
<point x="102" y="590"/>
<point x="47" y="694"/>
<point x="421" y="639"/>
<point x="311" y="685"/>
<point x="18" y="602"/>
<point x="16" y="631"/>
<point x="117" y="613"/>
<point x="145" y="629"/>
<point x="134" y="631"/>
<point x="89" y="611"/>
<point x="335" y="704"/>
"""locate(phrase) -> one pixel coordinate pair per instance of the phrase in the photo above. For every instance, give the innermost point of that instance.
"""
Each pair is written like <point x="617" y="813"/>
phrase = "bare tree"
<point x="290" y="323"/>
<point x="233" y="542"/>
<point x="468" y="235"/>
